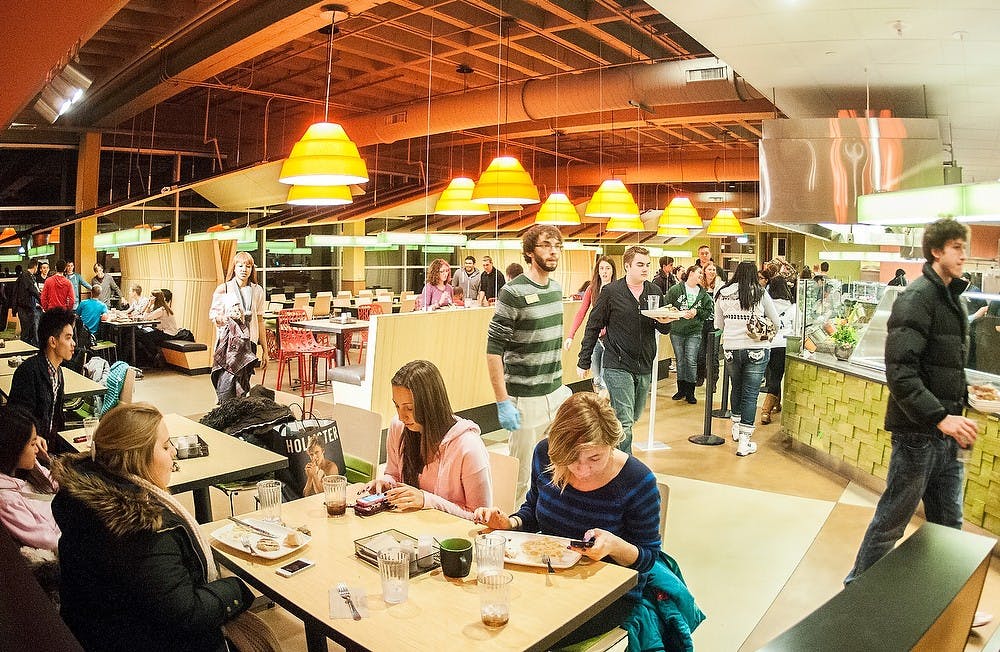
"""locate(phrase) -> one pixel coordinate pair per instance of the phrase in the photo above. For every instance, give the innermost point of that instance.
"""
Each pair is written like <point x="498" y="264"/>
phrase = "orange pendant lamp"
<point x="456" y="199"/>
<point x="299" y="195"/>
<point x="558" y="210"/>
<point x="724" y="223"/>
<point x="505" y="182"/>
<point x="9" y="237"/>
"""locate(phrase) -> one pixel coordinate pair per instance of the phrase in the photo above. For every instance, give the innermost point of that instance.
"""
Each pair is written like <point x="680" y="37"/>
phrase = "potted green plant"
<point x="846" y="337"/>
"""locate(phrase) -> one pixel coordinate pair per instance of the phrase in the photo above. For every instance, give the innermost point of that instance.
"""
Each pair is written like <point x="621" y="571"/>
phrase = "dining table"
<point x="337" y="327"/>
<point x="229" y="458"/>
<point x="17" y="347"/>
<point x="440" y="613"/>
<point x="119" y="326"/>
<point x="75" y="385"/>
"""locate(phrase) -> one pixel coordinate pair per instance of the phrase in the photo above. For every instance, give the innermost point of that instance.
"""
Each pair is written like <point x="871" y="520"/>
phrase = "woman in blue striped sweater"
<point x="583" y="487"/>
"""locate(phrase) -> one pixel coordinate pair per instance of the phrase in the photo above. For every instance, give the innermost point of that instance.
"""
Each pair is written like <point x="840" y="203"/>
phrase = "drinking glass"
<point x="394" y="569"/>
<point x="489" y="552"/>
<point x="963" y="455"/>
<point x="653" y="301"/>
<point x="89" y="428"/>
<point x="269" y="497"/>
<point x="494" y="597"/>
<point x="335" y="494"/>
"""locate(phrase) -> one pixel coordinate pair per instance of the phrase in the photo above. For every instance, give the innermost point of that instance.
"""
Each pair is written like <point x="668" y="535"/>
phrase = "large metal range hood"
<point x="812" y="170"/>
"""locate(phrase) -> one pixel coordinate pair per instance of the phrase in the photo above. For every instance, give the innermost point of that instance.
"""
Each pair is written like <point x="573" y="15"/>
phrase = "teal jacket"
<point x="667" y="614"/>
<point x="703" y="305"/>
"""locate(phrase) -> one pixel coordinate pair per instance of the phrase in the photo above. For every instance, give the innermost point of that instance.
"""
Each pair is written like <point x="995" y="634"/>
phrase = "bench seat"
<point x="187" y="357"/>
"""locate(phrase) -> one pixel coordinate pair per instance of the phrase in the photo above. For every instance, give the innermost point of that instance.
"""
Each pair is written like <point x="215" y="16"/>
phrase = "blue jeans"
<point x="628" y="397"/>
<point x="686" y="349"/>
<point x="746" y="368"/>
<point x="596" y="362"/>
<point x="922" y="466"/>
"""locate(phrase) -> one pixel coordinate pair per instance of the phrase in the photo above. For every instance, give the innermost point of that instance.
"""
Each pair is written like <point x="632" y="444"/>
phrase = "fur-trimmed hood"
<point x="123" y="507"/>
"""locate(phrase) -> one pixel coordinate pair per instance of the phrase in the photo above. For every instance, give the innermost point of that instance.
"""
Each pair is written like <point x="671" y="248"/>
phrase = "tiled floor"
<point x="762" y="540"/>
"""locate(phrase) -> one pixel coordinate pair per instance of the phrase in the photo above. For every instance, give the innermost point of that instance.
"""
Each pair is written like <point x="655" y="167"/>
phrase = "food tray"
<point x="369" y="554"/>
<point x="990" y="401"/>
<point x="230" y="534"/>
<point x="526" y="549"/>
<point x="668" y="313"/>
<point x="201" y="450"/>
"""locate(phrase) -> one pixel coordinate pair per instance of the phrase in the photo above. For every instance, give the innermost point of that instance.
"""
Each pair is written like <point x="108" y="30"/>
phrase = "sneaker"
<point x="678" y="396"/>
<point x="691" y="399"/>
<point x="736" y="429"/>
<point x="982" y="618"/>
<point x="749" y="448"/>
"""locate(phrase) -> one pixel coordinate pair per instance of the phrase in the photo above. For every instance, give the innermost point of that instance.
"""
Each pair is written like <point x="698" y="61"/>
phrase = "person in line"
<point x="148" y="339"/>
<point x="629" y="340"/>
<point x="75" y="280"/>
<point x="28" y="300"/>
<point x="458" y="297"/>
<point x="238" y="314"/>
<point x="468" y="278"/>
<point x="781" y="296"/>
<point x="38" y="384"/>
<point x="709" y="336"/>
<point x="490" y="282"/>
<point x="57" y="291"/>
<point x="318" y="467"/>
<point x="93" y="311"/>
<point x="899" y="279"/>
<point x="435" y="459"/>
<point x="437" y="292"/>
<point x="137" y="572"/>
<point x="686" y="333"/>
<point x="746" y="359"/>
<point x="138" y="305"/>
<point x="513" y="271"/>
<point x="106" y="281"/>
<point x="925" y="373"/>
<point x="604" y="273"/>
<point x="26" y="487"/>
<point x="664" y="278"/>
<point x="524" y="348"/>
<point x="42" y="274"/>
<point x="583" y="486"/>
<point x="705" y="257"/>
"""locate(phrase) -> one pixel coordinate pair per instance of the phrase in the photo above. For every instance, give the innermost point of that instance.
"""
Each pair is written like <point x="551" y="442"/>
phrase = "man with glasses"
<point x="524" y="349"/>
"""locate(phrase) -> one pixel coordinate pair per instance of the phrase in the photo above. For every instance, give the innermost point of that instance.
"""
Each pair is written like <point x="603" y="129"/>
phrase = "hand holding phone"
<point x="295" y="567"/>
<point x="577" y="543"/>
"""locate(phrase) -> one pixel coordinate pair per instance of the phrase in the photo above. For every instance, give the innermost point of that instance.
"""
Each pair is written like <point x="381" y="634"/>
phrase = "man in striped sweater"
<point x="524" y="349"/>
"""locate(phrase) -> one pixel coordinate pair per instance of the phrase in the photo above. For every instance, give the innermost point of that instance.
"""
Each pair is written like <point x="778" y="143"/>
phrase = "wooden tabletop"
<point x="229" y="458"/>
<point x="17" y="347"/>
<point x="441" y="613"/>
<point x="77" y="386"/>
<point x="131" y="322"/>
<point x="327" y="326"/>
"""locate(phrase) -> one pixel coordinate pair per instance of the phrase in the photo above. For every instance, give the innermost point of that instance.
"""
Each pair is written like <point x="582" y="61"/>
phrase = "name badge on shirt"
<point x="530" y="299"/>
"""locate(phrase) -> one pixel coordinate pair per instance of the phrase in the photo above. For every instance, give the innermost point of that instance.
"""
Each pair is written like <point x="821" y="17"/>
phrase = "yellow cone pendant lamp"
<point x="324" y="156"/>
<point x="672" y="232"/>
<point x="319" y="196"/>
<point x="725" y="223"/>
<point x="681" y="213"/>
<point x="558" y="210"/>
<point x="457" y="199"/>
<point x="613" y="201"/>
<point x="505" y="182"/>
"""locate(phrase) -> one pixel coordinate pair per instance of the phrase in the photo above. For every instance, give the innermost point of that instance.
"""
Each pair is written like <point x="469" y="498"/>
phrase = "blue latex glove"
<point x="510" y="418"/>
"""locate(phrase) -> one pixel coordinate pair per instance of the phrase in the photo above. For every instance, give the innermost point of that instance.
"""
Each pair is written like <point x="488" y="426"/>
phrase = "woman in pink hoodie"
<point x="435" y="460"/>
<point x="26" y="488"/>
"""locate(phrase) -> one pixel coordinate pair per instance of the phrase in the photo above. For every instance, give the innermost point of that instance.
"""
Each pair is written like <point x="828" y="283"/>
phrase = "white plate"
<point x="230" y="534"/>
<point x="669" y="313"/>
<point x="561" y="555"/>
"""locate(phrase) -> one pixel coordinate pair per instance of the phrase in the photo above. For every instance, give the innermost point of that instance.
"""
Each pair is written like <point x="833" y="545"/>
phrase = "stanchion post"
<point x="723" y="411"/>
<point x="706" y="438"/>
<point x="651" y="444"/>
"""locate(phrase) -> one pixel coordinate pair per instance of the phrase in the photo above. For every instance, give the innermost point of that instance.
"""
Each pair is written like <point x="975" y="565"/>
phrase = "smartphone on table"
<point x="295" y="567"/>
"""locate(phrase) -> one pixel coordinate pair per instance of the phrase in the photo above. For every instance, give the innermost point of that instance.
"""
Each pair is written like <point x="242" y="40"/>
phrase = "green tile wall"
<point x="842" y="416"/>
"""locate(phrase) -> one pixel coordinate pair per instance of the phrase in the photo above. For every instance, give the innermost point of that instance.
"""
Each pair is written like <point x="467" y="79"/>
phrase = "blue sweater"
<point x="628" y="506"/>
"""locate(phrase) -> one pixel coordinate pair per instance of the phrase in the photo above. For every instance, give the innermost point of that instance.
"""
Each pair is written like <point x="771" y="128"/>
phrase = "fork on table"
<point x="346" y="595"/>
<point x="548" y="562"/>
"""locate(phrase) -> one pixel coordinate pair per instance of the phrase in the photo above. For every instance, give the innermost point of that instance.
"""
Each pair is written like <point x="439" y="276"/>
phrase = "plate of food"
<point x="250" y="537"/>
<point x="667" y="312"/>
<point x="528" y="549"/>
<point x="984" y="398"/>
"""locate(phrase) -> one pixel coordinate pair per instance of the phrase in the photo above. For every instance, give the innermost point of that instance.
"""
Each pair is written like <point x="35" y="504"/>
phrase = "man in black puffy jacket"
<point x="925" y="354"/>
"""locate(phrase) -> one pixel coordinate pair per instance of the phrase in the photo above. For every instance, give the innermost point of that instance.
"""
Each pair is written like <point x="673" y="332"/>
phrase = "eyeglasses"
<point x="553" y="246"/>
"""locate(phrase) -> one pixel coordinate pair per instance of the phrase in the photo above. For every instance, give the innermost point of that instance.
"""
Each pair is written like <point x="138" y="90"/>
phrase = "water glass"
<point x="489" y="552"/>
<point x="335" y="494"/>
<point x="963" y="455"/>
<point x="494" y="597"/>
<point x="653" y="301"/>
<point x="89" y="428"/>
<point x="269" y="497"/>
<point x="394" y="569"/>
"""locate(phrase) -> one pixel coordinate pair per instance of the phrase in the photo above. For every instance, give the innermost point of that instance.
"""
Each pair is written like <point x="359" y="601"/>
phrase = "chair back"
<point x="408" y="305"/>
<point x="383" y="291"/>
<point x="344" y="293"/>
<point x="385" y="303"/>
<point x="278" y="297"/>
<point x="365" y="311"/>
<point x="291" y="337"/>
<point x="365" y="293"/>
<point x="364" y="300"/>
<point x="664" y="490"/>
<point x="128" y="387"/>
<point x="321" y="308"/>
<point x="503" y="472"/>
<point x="342" y="302"/>
<point x="360" y="432"/>
<point x="275" y="306"/>
<point x="301" y="301"/>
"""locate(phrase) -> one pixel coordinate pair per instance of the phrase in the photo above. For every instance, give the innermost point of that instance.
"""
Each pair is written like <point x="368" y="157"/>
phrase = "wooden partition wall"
<point x="191" y="270"/>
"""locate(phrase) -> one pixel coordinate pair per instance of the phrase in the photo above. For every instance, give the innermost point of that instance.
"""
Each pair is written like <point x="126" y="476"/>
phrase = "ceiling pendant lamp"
<point x="456" y="199"/>
<point x="9" y="237"/>
<point x="505" y="182"/>
<point x="54" y="236"/>
<point x="325" y="156"/>
<point x="613" y="201"/>
<point x="300" y="195"/>
<point x="681" y="213"/>
<point x="557" y="210"/>
<point x="672" y="232"/>
<point x="724" y="223"/>
<point x="212" y="229"/>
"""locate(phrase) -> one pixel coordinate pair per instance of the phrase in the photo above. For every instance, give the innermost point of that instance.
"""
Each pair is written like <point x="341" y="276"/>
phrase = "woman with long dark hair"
<point x="604" y="273"/>
<point x="26" y="488"/>
<point x="781" y="296"/>
<point x="736" y="303"/>
<point x="238" y="314"/>
<point x="434" y="458"/>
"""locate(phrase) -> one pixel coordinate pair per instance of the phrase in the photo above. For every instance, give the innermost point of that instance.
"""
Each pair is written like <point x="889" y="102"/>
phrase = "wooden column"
<point x="88" y="168"/>
<point x="352" y="275"/>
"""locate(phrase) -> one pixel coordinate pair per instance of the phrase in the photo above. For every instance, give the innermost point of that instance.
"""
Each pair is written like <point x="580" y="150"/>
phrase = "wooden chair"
<point x="365" y="293"/>
<point x="408" y="305"/>
<point x="342" y="302"/>
<point x="302" y="303"/>
<point x="385" y="301"/>
<point x="503" y="472"/>
<point x="344" y="294"/>
<point x="278" y="297"/>
<point x="321" y="307"/>
<point x="275" y="306"/>
<point x="361" y="437"/>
